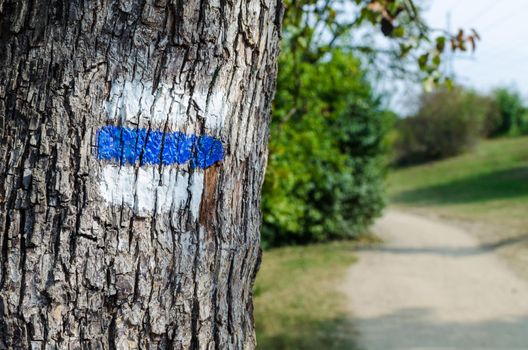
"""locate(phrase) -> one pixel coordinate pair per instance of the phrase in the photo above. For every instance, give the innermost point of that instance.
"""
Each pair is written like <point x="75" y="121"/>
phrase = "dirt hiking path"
<point x="433" y="286"/>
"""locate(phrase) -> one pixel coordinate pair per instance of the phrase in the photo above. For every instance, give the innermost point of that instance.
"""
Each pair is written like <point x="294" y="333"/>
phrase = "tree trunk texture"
<point x="133" y="149"/>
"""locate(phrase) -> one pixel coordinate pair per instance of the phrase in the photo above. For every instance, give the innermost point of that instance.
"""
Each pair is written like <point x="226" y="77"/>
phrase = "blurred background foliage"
<point x="329" y="132"/>
<point x="509" y="115"/>
<point x="325" y="172"/>
<point x="452" y="121"/>
<point x="448" y="122"/>
<point x="333" y="140"/>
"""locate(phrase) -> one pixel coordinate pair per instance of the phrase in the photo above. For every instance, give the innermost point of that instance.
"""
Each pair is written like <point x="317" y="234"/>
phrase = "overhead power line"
<point x="490" y="6"/>
<point x="455" y="5"/>
<point x="501" y="20"/>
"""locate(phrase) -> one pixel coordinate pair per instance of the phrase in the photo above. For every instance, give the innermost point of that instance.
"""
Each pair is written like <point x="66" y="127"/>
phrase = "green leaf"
<point x="449" y="83"/>
<point x="398" y="32"/>
<point x="440" y="43"/>
<point x="405" y="49"/>
<point x="422" y="61"/>
<point x="302" y="41"/>
<point x="436" y="60"/>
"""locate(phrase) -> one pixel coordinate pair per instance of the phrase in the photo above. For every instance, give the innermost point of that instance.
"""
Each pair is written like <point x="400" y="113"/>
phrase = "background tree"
<point x="447" y="123"/>
<point x="408" y="48"/>
<point x="509" y="115"/>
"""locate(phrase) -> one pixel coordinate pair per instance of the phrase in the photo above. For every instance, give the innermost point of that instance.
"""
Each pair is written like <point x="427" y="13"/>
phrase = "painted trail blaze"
<point x="149" y="147"/>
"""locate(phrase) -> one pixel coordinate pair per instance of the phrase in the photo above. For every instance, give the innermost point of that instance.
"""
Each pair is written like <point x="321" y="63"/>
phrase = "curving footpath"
<point x="433" y="286"/>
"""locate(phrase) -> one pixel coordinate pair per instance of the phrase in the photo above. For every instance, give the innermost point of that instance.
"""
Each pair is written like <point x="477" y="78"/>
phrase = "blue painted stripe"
<point x="141" y="146"/>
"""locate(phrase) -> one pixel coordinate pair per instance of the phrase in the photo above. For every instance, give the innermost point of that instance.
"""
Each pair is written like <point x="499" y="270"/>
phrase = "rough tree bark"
<point x="108" y="240"/>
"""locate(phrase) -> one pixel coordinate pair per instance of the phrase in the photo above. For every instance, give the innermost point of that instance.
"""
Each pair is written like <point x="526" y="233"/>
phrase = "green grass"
<point x="297" y="300"/>
<point x="489" y="184"/>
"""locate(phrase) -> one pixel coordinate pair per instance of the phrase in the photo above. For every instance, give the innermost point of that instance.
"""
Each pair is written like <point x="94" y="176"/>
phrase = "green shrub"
<point x="325" y="172"/>
<point x="509" y="116"/>
<point x="448" y="122"/>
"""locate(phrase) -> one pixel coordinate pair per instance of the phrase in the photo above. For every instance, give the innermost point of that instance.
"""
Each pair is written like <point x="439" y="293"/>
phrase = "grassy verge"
<point x="297" y="302"/>
<point x="488" y="185"/>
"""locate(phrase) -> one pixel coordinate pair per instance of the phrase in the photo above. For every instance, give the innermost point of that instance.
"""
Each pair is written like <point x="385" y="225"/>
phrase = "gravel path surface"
<point x="431" y="285"/>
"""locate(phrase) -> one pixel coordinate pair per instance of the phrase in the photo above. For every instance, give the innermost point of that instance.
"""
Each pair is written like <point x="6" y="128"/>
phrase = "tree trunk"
<point x="133" y="149"/>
